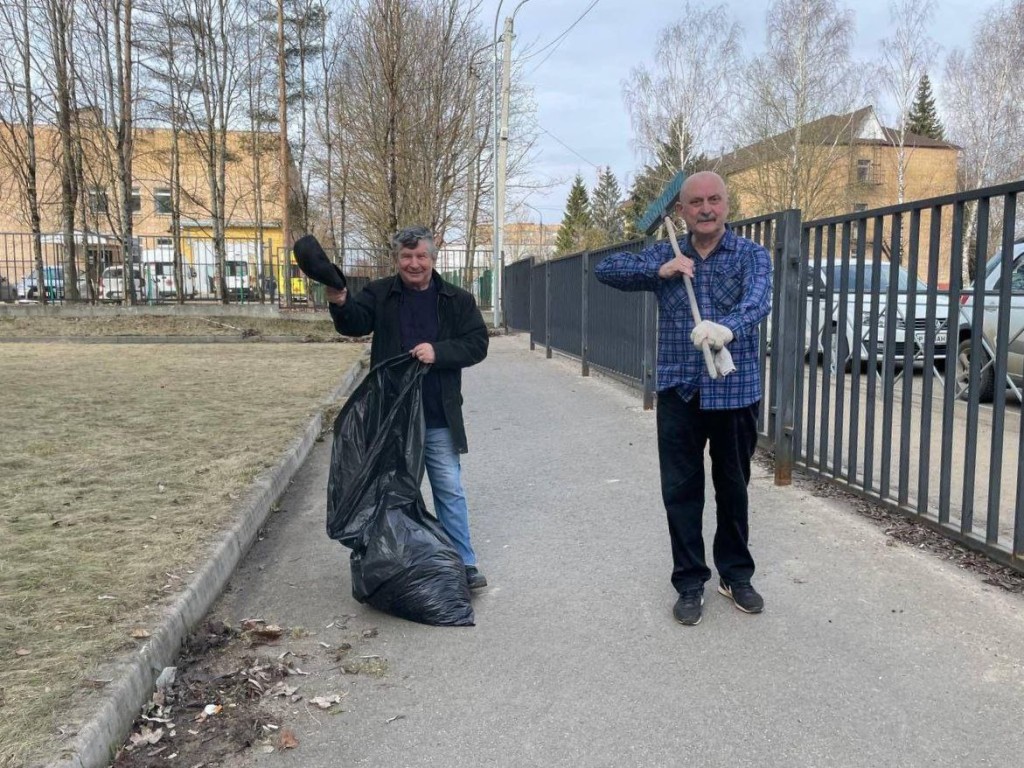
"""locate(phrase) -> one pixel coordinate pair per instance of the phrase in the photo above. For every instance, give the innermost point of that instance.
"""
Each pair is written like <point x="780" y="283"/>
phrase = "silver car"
<point x="990" y="327"/>
<point x="840" y="330"/>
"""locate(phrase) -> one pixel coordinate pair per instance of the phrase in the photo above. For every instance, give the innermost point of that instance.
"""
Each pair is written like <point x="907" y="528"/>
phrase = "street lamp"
<point x="540" y="216"/>
<point x="500" y="150"/>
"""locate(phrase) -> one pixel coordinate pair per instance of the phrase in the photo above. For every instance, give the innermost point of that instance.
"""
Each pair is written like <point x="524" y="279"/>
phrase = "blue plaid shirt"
<point x="733" y="286"/>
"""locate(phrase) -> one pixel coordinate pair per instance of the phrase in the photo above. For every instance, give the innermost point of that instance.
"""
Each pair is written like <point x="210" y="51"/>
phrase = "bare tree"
<point x="795" y="155"/>
<point x="405" y="76"/>
<point x="906" y="55"/>
<point x="17" y="119"/>
<point x="212" y="27"/>
<point x="106" y="79"/>
<point x="60" y="23"/>
<point x="691" y="93"/>
<point x="984" y="99"/>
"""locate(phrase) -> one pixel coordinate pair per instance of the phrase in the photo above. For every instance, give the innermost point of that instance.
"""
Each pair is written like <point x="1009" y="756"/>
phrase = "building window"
<point x="98" y="200"/>
<point x="162" y="200"/>
<point x="164" y="241"/>
<point x="864" y="170"/>
<point x="136" y="202"/>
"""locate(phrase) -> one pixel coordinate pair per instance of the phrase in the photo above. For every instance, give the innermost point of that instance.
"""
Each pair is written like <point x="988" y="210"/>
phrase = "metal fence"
<point x="884" y="371"/>
<point x="190" y="270"/>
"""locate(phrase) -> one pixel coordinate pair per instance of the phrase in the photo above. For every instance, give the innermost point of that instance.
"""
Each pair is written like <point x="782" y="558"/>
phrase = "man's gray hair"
<point x="410" y="237"/>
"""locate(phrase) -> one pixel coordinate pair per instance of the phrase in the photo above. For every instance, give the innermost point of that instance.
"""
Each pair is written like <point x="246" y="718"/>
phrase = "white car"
<point x="842" y="332"/>
<point x="112" y="284"/>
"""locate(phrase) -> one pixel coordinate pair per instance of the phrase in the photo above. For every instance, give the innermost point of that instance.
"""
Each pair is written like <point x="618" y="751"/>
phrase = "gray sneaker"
<point x="743" y="595"/>
<point x="687" y="609"/>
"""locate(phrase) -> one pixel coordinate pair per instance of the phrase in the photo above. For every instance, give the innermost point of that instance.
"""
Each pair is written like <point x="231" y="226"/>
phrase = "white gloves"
<point x="723" y="363"/>
<point x="716" y="335"/>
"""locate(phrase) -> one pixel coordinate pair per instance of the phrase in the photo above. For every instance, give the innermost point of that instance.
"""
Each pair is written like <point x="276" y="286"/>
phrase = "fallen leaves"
<point x="22" y="652"/>
<point x="287" y="740"/>
<point x="325" y="702"/>
<point x="140" y="633"/>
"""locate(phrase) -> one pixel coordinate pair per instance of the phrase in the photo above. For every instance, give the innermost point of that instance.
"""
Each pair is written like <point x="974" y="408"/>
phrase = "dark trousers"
<point x="683" y="432"/>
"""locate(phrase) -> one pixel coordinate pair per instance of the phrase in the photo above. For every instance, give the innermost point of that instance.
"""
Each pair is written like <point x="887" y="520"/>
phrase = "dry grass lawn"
<point x="119" y="464"/>
<point x="318" y="329"/>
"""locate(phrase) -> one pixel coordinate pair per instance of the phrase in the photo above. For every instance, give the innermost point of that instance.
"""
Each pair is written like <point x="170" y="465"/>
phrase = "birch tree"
<point x="18" y="118"/>
<point x="684" y="89"/>
<point x="805" y="75"/>
<point x="984" y="98"/>
<point x="906" y="56"/>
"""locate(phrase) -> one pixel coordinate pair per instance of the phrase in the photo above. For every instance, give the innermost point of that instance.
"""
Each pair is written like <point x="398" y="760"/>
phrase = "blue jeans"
<point x="444" y="472"/>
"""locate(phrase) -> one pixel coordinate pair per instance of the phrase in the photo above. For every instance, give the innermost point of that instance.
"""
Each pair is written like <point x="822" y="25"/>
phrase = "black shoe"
<point x="743" y="595"/>
<point x="475" y="579"/>
<point x="687" y="607"/>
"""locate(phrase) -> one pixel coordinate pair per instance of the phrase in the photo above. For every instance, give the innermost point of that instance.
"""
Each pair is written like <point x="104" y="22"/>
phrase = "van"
<point x="112" y="286"/>
<point x="158" y="266"/>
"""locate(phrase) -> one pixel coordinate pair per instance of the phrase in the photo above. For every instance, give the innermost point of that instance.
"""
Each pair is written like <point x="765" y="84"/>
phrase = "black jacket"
<point x="461" y="336"/>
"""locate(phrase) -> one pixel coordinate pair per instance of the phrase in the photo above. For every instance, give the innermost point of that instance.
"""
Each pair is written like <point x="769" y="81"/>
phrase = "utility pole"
<point x="282" y="118"/>
<point x="471" y="169"/>
<point x="499" y="178"/>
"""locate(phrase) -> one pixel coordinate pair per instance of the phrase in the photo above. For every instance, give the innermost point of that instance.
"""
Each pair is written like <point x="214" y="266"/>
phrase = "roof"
<point x="860" y="127"/>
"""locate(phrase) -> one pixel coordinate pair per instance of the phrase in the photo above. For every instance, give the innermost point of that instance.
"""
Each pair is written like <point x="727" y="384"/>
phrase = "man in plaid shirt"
<point x="732" y="281"/>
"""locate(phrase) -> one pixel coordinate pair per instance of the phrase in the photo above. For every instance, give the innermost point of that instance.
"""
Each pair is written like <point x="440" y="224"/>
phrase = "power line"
<point x="558" y="40"/>
<point x="581" y="157"/>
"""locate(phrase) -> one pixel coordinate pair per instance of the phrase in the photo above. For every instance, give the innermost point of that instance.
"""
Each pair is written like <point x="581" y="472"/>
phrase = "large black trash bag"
<point x="402" y="561"/>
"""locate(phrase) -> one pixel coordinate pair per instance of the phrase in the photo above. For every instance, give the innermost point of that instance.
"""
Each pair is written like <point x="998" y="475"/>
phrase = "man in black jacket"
<point x="417" y="312"/>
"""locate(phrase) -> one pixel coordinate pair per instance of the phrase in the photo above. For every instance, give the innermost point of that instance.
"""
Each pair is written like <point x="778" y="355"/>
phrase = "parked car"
<point x="842" y="331"/>
<point x="53" y="276"/>
<point x="986" y="383"/>
<point x="158" y="264"/>
<point x="112" y="286"/>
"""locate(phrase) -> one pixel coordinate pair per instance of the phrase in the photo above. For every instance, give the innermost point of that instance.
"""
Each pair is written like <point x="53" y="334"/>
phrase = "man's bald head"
<point x="704" y="205"/>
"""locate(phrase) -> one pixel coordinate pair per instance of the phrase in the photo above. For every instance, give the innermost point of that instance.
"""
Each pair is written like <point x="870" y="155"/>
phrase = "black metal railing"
<point x="879" y="358"/>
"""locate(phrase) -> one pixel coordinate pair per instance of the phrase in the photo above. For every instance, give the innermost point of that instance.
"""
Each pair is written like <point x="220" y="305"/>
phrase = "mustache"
<point x="706" y="217"/>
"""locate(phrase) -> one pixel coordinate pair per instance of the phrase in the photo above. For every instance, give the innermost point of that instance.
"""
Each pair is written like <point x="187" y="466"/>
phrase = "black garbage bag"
<point x="402" y="561"/>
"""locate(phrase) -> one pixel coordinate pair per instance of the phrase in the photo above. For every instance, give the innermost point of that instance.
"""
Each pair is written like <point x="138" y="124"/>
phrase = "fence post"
<point x="584" y="306"/>
<point x="529" y="283"/>
<point x="787" y="361"/>
<point x="547" y="309"/>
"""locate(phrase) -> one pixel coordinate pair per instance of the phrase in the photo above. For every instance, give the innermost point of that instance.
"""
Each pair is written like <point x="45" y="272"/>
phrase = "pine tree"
<point x="606" y="208"/>
<point x="576" y="220"/>
<point x="651" y="181"/>
<point x="923" y="119"/>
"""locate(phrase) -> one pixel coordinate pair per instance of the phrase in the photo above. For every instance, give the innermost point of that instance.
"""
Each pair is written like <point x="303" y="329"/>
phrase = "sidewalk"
<point x="868" y="654"/>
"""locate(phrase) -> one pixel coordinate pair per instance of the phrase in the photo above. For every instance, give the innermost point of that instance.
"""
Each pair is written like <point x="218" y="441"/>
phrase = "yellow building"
<point x="849" y="164"/>
<point x="252" y="209"/>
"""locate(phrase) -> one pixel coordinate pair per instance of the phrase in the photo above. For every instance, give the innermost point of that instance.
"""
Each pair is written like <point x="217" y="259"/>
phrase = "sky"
<point x="578" y="87"/>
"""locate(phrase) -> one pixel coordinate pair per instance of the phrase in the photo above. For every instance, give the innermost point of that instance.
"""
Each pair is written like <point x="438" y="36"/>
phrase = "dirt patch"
<point x="242" y="688"/>
<point x="119" y="467"/>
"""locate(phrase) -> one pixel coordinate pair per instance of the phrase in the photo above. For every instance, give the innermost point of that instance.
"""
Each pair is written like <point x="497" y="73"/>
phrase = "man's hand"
<point x="676" y="267"/>
<point x="714" y="334"/>
<point x="424" y="353"/>
<point x="334" y="296"/>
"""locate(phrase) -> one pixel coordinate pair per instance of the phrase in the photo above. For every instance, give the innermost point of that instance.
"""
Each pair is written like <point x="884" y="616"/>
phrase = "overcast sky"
<point x="578" y="88"/>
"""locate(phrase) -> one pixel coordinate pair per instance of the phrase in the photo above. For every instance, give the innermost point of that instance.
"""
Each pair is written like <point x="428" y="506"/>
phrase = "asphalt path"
<point x="869" y="652"/>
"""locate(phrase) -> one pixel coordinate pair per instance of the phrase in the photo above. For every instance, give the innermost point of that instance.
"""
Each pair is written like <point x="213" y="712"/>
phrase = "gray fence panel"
<point x="517" y="294"/>
<point x="538" y="304"/>
<point x="566" y="320"/>
<point x="615" y="321"/>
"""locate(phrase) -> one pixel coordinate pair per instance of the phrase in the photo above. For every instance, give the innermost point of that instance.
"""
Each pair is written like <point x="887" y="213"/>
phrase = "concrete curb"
<point x="98" y="740"/>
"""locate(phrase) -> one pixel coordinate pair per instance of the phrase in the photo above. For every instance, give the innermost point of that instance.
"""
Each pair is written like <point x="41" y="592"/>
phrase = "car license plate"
<point x="940" y="337"/>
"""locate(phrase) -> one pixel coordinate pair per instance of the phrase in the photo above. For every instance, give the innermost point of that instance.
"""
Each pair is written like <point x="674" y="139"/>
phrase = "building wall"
<point x="151" y="169"/>
<point x="864" y="179"/>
